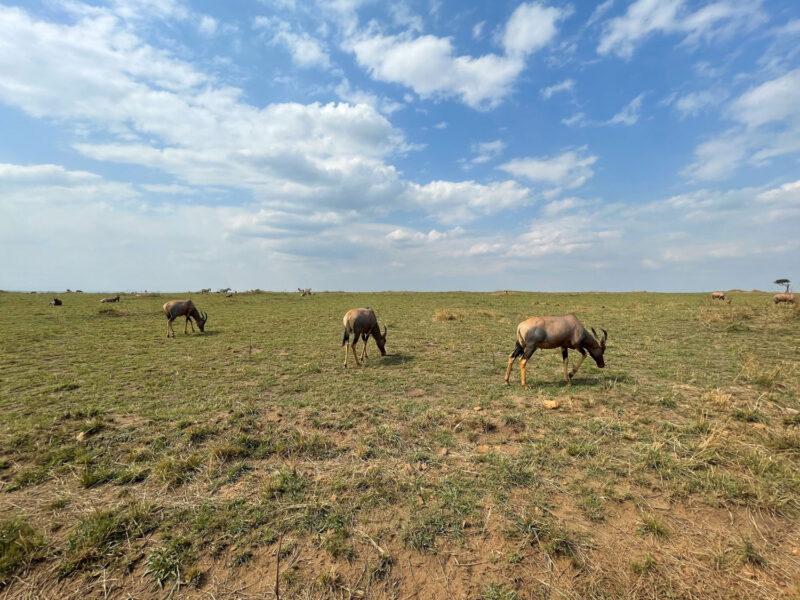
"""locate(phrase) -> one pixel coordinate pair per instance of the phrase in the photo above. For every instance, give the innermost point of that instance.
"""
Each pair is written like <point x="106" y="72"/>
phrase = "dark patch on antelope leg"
<point x="514" y="354"/>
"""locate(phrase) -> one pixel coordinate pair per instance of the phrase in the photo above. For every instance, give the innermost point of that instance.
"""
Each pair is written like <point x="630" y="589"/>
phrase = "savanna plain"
<point x="246" y="462"/>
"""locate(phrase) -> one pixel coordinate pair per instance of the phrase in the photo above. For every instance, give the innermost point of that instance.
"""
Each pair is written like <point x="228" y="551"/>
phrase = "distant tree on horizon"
<point x="785" y="282"/>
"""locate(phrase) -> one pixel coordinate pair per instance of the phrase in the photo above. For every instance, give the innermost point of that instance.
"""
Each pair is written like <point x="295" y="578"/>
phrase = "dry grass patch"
<point x="448" y="315"/>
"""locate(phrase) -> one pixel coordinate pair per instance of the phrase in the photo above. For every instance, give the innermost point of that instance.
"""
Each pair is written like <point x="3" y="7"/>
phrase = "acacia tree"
<point x="785" y="282"/>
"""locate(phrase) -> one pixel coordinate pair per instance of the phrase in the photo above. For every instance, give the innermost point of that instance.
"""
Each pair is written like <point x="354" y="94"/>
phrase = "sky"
<point x="414" y="145"/>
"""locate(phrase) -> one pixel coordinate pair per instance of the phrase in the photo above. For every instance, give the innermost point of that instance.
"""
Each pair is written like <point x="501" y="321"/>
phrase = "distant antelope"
<point x="362" y="322"/>
<point x="720" y="296"/>
<point x="55" y="302"/>
<point x="787" y="298"/>
<point x="205" y="290"/>
<point x="556" y="332"/>
<point x="184" y="308"/>
<point x="224" y="290"/>
<point x="229" y="295"/>
<point x="305" y="291"/>
<point x="114" y="299"/>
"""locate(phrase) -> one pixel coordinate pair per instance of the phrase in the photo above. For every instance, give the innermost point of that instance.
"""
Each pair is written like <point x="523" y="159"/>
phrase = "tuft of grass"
<point x="99" y="536"/>
<point x="20" y="544"/>
<point x="753" y="371"/>
<point x="493" y="591"/>
<point x="750" y="555"/>
<point x="653" y="525"/>
<point x="648" y="564"/>
<point x="165" y="562"/>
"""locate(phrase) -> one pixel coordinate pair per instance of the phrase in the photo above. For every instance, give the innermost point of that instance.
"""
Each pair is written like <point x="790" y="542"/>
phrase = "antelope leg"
<point x="511" y="360"/>
<point x="578" y="366"/>
<point x="346" y="352"/>
<point x="522" y="363"/>
<point x="566" y="374"/>
<point x="355" y="355"/>
<point x="364" y="351"/>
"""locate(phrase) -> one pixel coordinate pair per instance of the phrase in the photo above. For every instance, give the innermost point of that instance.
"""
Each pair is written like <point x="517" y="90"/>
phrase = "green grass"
<point x="163" y="460"/>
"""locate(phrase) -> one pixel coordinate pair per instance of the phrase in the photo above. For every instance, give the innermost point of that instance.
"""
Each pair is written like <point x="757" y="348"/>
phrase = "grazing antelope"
<point x="55" y="302"/>
<point x="184" y="308"/>
<point x="305" y="291"/>
<point x="223" y="290"/>
<point x="114" y="299"/>
<point x="720" y="296"/>
<point x="362" y="322"/>
<point x="556" y="332"/>
<point x="205" y="290"/>
<point x="787" y="298"/>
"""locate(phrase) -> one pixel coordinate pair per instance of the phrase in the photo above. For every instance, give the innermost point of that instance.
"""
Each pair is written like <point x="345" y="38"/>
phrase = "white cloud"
<point x="565" y="86"/>
<point x="578" y="119"/>
<point x="599" y="11"/>
<point x="463" y="201"/>
<point x="486" y="151"/>
<point x="428" y="65"/>
<point x="568" y="170"/>
<point x="207" y="25"/>
<point x="768" y="126"/>
<point x="629" y="114"/>
<point x="431" y="66"/>
<point x="643" y="18"/>
<point x="531" y="27"/>
<point x="695" y="103"/>
<point x="306" y="51"/>
<point x="477" y="30"/>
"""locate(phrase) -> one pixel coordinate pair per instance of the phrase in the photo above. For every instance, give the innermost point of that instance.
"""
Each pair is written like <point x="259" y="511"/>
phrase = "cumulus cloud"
<point x="531" y="27"/>
<point x="432" y="67"/>
<point x="721" y="19"/>
<point x="767" y="125"/>
<point x="568" y="170"/>
<point x="305" y="50"/>
<point x="463" y="201"/>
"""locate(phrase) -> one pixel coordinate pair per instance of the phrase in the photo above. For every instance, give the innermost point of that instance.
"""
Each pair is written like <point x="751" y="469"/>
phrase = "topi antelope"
<point x="787" y="298"/>
<point x="362" y="322"/>
<point x="305" y="291"/>
<point x="720" y="296"/>
<point x="184" y="308"/>
<point x="556" y="332"/>
<point x="55" y="302"/>
<point x="114" y="299"/>
<point x="205" y="290"/>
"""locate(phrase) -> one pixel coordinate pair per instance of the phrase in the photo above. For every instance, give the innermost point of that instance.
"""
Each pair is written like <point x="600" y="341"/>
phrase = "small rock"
<point x="551" y="404"/>
<point x="792" y="411"/>
<point x="483" y="448"/>
<point x="477" y="408"/>
<point x="444" y="452"/>
<point x="420" y="501"/>
<point x="759" y="426"/>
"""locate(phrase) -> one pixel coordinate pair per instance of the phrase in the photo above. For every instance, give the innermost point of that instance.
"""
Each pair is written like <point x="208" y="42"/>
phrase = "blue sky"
<point x="346" y="145"/>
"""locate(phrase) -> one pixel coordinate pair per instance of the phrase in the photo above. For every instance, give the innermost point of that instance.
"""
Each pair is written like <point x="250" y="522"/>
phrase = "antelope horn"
<point x="384" y="332"/>
<point x="597" y="337"/>
<point x="205" y="317"/>
<point x="605" y="334"/>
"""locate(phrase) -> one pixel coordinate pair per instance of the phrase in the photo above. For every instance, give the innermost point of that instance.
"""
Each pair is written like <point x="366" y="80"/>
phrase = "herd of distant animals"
<point x="548" y="332"/>
<point x="787" y="298"/>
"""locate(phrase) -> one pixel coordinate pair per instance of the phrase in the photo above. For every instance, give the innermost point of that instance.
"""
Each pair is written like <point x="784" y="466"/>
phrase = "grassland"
<point x="132" y="465"/>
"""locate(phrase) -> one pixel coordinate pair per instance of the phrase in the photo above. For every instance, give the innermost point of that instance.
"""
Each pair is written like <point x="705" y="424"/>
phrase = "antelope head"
<point x="597" y="352"/>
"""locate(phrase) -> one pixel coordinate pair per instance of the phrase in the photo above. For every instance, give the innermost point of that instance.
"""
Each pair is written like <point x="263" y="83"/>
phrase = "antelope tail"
<point x="346" y="337"/>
